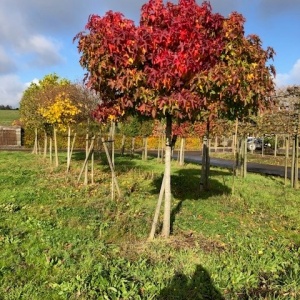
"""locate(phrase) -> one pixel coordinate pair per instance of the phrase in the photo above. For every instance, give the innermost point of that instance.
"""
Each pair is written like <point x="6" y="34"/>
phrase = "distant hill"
<point x="8" y="116"/>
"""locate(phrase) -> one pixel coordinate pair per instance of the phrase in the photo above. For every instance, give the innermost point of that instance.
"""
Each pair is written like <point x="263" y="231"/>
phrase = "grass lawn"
<point x="63" y="240"/>
<point x="8" y="116"/>
<point x="257" y="157"/>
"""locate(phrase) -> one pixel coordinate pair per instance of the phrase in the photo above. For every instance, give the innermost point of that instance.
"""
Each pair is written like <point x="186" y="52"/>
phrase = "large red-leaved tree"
<point x="181" y="62"/>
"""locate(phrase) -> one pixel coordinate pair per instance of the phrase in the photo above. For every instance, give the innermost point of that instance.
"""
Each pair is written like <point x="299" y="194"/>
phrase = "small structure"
<point x="10" y="136"/>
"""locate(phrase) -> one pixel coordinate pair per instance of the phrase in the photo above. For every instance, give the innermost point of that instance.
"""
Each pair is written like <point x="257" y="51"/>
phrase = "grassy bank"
<point x="63" y="240"/>
<point x="8" y="116"/>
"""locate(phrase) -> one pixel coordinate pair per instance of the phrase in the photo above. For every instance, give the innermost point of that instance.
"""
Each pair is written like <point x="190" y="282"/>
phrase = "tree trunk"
<point x="132" y="146"/>
<point x="114" y="177"/>
<point x="145" y="148"/>
<point x="158" y="148"/>
<point x="88" y="153"/>
<point x="244" y="145"/>
<point x="181" y="155"/>
<point x="293" y="163"/>
<point x="216" y="144"/>
<point x="55" y="146"/>
<point x="167" y="175"/>
<point x="112" y="143"/>
<point x="205" y="165"/>
<point x="235" y="137"/>
<point x="123" y="145"/>
<point x="86" y="157"/>
<point x="35" y="146"/>
<point x="204" y="184"/>
<point x="157" y="210"/>
<point x="287" y="146"/>
<point x="276" y="145"/>
<point x="69" y="149"/>
<point x="296" y="162"/>
<point x="112" y="138"/>
<point x="50" y="150"/>
<point x="92" y="161"/>
<point x="237" y="166"/>
<point x="45" y="143"/>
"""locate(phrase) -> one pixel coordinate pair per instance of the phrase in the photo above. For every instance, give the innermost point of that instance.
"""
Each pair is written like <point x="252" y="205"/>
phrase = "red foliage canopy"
<point x="178" y="61"/>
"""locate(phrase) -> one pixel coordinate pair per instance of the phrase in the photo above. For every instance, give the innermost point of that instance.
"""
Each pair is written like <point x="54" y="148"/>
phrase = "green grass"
<point x="63" y="240"/>
<point x="8" y="116"/>
<point x="267" y="158"/>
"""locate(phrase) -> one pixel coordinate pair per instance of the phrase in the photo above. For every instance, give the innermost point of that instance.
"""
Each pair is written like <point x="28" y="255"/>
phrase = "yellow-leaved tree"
<point x="55" y="104"/>
<point x="61" y="114"/>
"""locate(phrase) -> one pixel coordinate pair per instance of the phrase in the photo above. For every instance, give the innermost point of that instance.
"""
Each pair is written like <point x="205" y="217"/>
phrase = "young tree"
<point x="32" y="100"/>
<point x="171" y="65"/>
<point x="182" y="130"/>
<point x="61" y="113"/>
<point x="131" y="128"/>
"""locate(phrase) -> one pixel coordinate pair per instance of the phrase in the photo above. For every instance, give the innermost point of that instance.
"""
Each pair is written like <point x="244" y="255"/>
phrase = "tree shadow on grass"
<point x="199" y="287"/>
<point x="185" y="185"/>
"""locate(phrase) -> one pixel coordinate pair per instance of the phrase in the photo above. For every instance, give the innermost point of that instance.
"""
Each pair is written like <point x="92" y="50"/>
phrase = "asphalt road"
<point x="195" y="156"/>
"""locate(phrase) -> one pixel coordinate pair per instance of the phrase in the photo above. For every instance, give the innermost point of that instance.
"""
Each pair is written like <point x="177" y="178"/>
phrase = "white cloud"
<point x="45" y="51"/>
<point x="35" y="80"/>
<point x="11" y="90"/>
<point x="290" y="78"/>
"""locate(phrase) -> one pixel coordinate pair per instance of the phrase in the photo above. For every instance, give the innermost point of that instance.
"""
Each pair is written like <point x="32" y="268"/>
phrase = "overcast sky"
<point x="36" y="36"/>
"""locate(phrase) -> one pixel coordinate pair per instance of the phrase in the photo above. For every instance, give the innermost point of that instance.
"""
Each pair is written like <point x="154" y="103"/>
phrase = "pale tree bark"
<point x="165" y="191"/>
<point x="132" y="146"/>
<point x="245" y="161"/>
<point x="241" y="157"/>
<point x="50" y="150"/>
<point x="35" y="146"/>
<point x="275" y="145"/>
<point x="86" y="156"/>
<point x="45" y="143"/>
<point x="55" y="146"/>
<point x="205" y="170"/>
<point x="92" y="165"/>
<point x="145" y="148"/>
<point x="296" y="182"/>
<point x="287" y="146"/>
<point x="112" y="140"/>
<point x="167" y="208"/>
<point x="235" y="141"/>
<point x="123" y="144"/>
<point x="181" y="154"/>
<point x="293" y="162"/>
<point x="157" y="210"/>
<point x="159" y="148"/>
<point x="69" y="149"/>
<point x="216" y="144"/>
<point x="114" y="177"/>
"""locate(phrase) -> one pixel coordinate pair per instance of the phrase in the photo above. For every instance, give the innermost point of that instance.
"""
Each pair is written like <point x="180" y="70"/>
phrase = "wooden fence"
<point x="10" y="136"/>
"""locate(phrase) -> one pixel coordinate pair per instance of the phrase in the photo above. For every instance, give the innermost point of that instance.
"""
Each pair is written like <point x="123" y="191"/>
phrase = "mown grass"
<point x="7" y="117"/>
<point x="63" y="240"/>
<point x="267" y="158"/>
